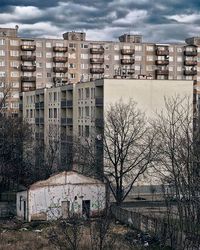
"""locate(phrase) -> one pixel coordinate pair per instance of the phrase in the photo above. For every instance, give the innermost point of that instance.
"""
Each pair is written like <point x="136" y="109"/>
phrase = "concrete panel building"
<point x="33" y="63"/>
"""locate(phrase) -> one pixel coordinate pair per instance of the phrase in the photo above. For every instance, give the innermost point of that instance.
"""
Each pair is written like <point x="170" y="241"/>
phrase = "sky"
<point x="157" y="20"/>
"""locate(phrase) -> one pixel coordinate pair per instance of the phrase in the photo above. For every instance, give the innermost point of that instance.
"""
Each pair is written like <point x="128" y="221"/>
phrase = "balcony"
<point x="162" y="52"/>
<point x="28" y="47"/>
<point x="66" y="103"/>
<point x="60" y="69"/>
<point x="127" y="51"/>
<point x="162" y="62"/>
<point x="39" y="120"/>
<point x="96" y="60"/>
<point x="59" y="49"/>
<point x="190" y="52"/>
<point x="127" y="61"/>
<point x="60" y="79"/>
<point x="28" y="58"/>
<point x="99" y="122"/>
<point x="97" y="50"/>
<point x="190" y="63"/>
<point x="99" y="101"/>
<point x="190" y="72"/>
<point x="27" y="88"/>
<point x="162" y="71"/>
<point x="28" y="78"/>
<point x="28" y="68"/>
<point x="97" y="70"/>
<point x="60" y="59"/>
<point x="67" y="121"/>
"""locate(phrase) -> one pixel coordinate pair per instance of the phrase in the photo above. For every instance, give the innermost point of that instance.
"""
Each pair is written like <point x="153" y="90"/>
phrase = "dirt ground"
<point x="15" y="235"/>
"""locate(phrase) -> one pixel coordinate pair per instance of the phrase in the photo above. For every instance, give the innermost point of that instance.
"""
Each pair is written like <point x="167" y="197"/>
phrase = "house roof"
<point x="66" y="177"/>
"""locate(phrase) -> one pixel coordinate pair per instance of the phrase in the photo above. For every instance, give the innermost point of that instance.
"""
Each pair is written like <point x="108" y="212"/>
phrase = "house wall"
<point x="45" y="203"/>
<point x="21" y="198"/>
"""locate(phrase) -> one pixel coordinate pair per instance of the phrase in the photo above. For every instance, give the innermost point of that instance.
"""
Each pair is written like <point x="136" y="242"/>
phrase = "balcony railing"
<point x="162" y="71"/>
<point x="190" y="72"/>
<point x="60" y="69"/>
<point x="66" y="103"/>
<point x="28" y="78"/>
<point x="97" y="70"/>
<point x="61" y="59"/>
<point x="127" y="61"/>
<point x="28" y="58"/>
<point x="99" y="101"/>
<point x="28" y="47"/>
<point x="27" y="88"/>
<point x="97" y="50"/>
<point x="190" y="63"/>
<point x="28" y="68"/>
<point x="190" y="52"/>
<point x="59" y="49"/>
<point x="127" y="51"/>
<point x="162" y="62"/>
<point x="60" y="79"/>
<point x="67" y="121"/>
<point x="96" y="60"/>
<point x="162" y="52"/>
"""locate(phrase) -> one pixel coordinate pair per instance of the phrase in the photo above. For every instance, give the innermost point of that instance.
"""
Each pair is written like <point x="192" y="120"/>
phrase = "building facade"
<point x="65" y="113"/>
<point x="34" y="63"/>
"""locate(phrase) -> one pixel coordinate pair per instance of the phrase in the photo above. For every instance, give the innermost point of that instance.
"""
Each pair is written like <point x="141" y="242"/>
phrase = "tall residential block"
<point x="34" y="63"/>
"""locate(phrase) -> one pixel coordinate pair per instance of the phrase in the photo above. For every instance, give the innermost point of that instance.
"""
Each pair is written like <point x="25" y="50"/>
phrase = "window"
<point x="149" y="67"/>
<point x="84" y="46"/>
<point x="48" y="65"/>
<point x="50" y="113"/>
<point x="87" y="131"/>
<point x="38" y="44"/>
<point x="179" y="49"/>
<point x="138" y="48"/>
<point x="14" y="42"/>
<point x="137" y="67"/>
<point x="171" y="49"/>
<point x="179" y="68"/>
<point x="107" y="57"/>
<point x="2" y="63"/>
<point x="48" y="54"/>
<point x="55" y="96"/>
<point x="39" y="75"/>
<point x="84" y="56"/>
<point x="48" y="45"/>
<point x="171" y="68"/>
<point x="1" y="84"/>
<point x="87" y="111"/>
<point x="171" y="59"/>
<point x="72" y="45"/>
<point x="138" y="58"/>
<point x="116" y="57"/>
<point x="149" y="48"/>
<point x="72" y="65"/>
<point x="14" y="74"/>
<point x="15" y="85"/>
<point x="87" y="93"/>
<point x="84" y="66"/>
<point x="2" y="53"/>
<point x="72" y="76"/>
<point x="59" y="44"/>
<point x="14" y="64"/>
<point x="150" y="58"/>
<point x="179" y="59"/>
<point x="38" y="54"/>
<point x="39" y="65"/>
<point x="2" y="41"/>
<point x="14" y="53"/>
<point x="48" y="74"/>
<point x="55" y="113"/>
<point x="116" y="47"/>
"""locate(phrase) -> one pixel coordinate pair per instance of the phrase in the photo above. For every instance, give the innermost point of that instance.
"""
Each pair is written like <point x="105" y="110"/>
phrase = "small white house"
<point x="59" y="196"/>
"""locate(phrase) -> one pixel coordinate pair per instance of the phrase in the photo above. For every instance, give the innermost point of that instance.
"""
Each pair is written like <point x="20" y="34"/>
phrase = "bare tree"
<point x="178" y="167"/>
<point x="128" y="147"/>
<point x="5" y="92"/>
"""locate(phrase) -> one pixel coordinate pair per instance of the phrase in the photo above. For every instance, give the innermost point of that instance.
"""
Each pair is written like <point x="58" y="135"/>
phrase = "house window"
<point x="87" y="93"/>
<point x="48" y="45"/>
<point x="87" y="131"/>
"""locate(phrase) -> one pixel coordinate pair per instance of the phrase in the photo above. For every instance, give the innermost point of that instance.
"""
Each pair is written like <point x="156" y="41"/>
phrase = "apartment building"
<point x="63" y="113"/>
<point x="35" y="63"/>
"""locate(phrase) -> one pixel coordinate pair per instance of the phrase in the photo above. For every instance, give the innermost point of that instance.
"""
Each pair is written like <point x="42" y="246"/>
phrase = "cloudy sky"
<point x="156" y="20"/>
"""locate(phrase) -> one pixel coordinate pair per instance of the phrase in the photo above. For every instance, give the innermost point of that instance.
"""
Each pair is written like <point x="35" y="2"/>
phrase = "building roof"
<point x="66" y="177"/>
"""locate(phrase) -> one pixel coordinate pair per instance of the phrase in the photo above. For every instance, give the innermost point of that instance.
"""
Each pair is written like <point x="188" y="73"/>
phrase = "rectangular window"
<point x="48" y="45"/>
<point x="2" y="53"/>
<point x="14" y="64"/>
<point x="39" y="65"/>
<point x="2" y="41"/>
<point x="2" y="63"/>
<point x="38" y="54"/>
<point x="48" y="54"/>
<point x="84" y="56"/>
<point x="48" y="65"/>
<point x="138" y="58"/>
<point x="59" y="44"/>
<point x="179" y="59"/>
<point x="87" y="111"/>
<point x="87" y="93"/>
<point x="149" y="48"/>
<point x="14" y="53"/>
<point x="14" y="42"/>
<point x="150" y="58"/>
<point x="72" y="65"/>
<point x="84" y="66"/>
<point x="72" y="76"/>
<point x="179" y="49"/>
<point x="116" y="57"/>
<point x="38" y="44"/>
<point x="138" y="48"/>
<point x="84" y="46"/>
<point x="39" y="75"/>
<point x="171" y="49"/>
<point x="87" y="131"/>
<point x="14" y="74"/>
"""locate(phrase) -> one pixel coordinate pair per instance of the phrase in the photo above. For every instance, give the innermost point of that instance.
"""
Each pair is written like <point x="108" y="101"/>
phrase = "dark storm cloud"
<point x="158" y="20"/>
